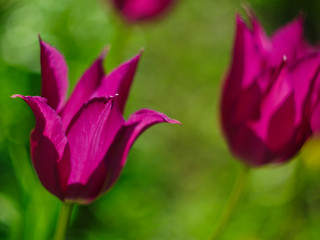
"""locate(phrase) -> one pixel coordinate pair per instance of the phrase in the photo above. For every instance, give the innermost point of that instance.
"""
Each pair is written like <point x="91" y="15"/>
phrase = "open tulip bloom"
<point x="79" y="147"/>
<point x="267" y="98"/>
<point x="134" y="11"/>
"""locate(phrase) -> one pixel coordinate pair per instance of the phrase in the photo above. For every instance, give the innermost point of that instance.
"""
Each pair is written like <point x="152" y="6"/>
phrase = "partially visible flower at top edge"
<point x="268" y="97"/>
<point x="79" y="147"/>
<point x="134" y="11"/>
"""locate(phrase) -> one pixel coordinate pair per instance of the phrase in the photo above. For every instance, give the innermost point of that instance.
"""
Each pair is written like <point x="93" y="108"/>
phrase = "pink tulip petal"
<point x="257" y="147"/>
<point x="87" y="84"/>
<point x="119" y="82"/>
<point x="278" y="114"/>
<point x="138" y="122"/>
<point x="90" y="134"/>
<point x="282" y="125"/>
<point x="247" y="106"/>
<point x="304" y="74"/>
<point x="245" y="67"/>
<point x="249" y="147"/>
<point x="247" y="59"/>
<point x="48" y="144"/>
<point x="54" y="73"/>
<point x="261" y="38"/>
<point x="86" y="193"/>
<point x="294" y="48"/>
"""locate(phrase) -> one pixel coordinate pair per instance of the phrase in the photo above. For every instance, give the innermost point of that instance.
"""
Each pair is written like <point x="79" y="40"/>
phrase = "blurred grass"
<point x="177" y="179"/>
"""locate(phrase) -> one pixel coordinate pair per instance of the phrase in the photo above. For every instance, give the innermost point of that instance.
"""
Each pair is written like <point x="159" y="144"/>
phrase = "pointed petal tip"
<point x="132" y="61"/>
<point x="16" y="95"/>
<point x="141" y="52"/>
<point x="238" y="16"/>
<point x="248" y="10"/>
<point x="137" y="57"/>
<point x="170" y="120"/>
<point x="299" y="19"/>
<point x="146" y="111"/>
<point x="41" y="41"/>
<point x="173" y="121"/>
<point x="104" y="52"/>
<point x="239" y="20"/>
<point x="46" y="46"/>
<point x="29" y="98"/>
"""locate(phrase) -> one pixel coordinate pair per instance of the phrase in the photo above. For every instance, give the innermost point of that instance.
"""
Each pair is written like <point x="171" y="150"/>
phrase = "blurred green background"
<point x="177" y="178"/>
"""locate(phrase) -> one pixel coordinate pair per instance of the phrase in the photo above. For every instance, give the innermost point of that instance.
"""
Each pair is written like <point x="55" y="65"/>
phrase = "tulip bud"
<point x="133" y="11"/>
<point x="266" y="99"/>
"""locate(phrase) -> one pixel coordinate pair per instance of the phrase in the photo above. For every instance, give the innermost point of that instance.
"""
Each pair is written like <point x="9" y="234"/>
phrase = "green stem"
<point x="232" y="202"/>
<point x="63" y="221"/>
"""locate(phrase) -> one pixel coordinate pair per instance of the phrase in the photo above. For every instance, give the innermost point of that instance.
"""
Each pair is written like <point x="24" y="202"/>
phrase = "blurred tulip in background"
<point x="133" y="11"/>
<point x="266" y="102"/>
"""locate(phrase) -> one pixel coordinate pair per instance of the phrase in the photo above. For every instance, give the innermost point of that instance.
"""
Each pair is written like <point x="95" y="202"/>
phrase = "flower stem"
<point x="232" y="202"/>
<point x="63" y="221"/>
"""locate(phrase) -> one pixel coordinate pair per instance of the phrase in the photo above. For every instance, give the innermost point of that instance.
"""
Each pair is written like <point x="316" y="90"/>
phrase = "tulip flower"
<point x="80" y="146"/>
<point x="266" y="101"/>
<point x="142" y="10"/>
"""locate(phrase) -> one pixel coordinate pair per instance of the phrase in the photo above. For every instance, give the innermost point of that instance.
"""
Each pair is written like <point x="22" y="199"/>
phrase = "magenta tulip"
<point x="142" y="10"/>
<point x="79" y="147"/>
<point x="266" y="101"/>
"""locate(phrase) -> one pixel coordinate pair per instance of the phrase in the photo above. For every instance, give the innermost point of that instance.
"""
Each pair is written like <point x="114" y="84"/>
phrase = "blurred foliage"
<point x="177" y="179"/>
